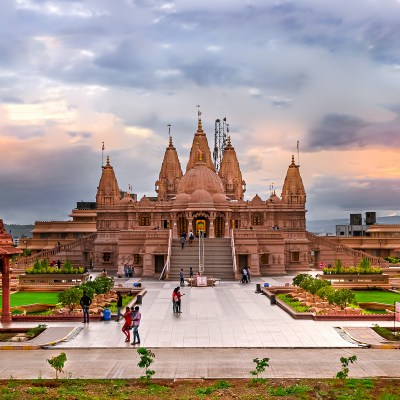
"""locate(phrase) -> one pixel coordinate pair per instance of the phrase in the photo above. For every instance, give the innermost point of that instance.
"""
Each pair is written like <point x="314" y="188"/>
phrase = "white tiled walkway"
<point x="229" y="315"/>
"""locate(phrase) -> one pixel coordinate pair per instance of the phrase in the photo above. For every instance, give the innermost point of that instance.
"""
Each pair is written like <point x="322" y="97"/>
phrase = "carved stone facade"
<point x="269" y="235"/>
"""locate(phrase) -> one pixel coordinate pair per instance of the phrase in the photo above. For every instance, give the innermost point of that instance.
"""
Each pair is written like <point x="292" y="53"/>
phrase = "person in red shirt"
<point x="127" y="325"/>
<point x="179" y="294"/>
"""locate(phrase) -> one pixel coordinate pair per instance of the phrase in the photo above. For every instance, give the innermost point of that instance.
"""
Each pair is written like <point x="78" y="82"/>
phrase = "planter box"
<point x="50" y="282"/>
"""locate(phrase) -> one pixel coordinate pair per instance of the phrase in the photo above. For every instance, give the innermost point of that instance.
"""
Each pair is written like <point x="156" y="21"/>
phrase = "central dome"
<point x="201" y="177"/>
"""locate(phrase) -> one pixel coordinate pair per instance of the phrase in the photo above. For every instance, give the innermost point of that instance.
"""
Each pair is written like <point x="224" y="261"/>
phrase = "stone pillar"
<point x="174" y="226"/>
<point x="211" y="233"/>
<point x="148" y="264"/>
<point x="5" y="281"/>
<point x="226" y="234"/>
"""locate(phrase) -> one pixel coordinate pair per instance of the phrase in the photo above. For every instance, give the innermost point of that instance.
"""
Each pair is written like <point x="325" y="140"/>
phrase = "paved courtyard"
<point x="230" y="315"/>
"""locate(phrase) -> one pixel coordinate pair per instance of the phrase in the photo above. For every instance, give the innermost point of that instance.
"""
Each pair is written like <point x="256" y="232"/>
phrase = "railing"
<point x="201" y="251"/>
<point x="233" y="253"/>
<point x="168" y="261"/>
<point x="47" y="254"/>
<point x="339" y="247"/>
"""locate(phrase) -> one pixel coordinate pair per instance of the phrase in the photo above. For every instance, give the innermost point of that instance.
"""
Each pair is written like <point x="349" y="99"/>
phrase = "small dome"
<point x="182" y="198"/>
<point x="201" y="196"/>
<point x="126" y="200"/>
<point x="275" y="199"/>
<point x="219" y="198"/>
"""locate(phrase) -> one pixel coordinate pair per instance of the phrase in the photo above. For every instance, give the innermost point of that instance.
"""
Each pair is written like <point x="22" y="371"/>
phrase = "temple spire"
<point x="231" y="174"/>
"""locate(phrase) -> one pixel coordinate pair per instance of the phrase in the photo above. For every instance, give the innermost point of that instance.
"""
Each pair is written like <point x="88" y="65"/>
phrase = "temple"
<point x="269" y="236"/>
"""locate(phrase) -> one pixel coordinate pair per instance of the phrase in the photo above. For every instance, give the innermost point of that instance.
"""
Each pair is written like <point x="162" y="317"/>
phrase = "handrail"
<point x="201" y="251"/>
<point x="346" y="249"/>
<point x="233" y="253"/>
<point x="168" y="260"/>
<point x="46" y="254"/>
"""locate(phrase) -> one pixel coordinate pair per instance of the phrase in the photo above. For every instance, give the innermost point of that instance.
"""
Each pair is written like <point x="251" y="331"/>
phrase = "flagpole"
<point x="298" y="153"/>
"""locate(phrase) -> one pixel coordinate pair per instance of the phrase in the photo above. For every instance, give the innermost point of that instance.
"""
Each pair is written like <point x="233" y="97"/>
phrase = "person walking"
<point x="119" y="305"/>
<point x="128" y="324"/>
<point x="181" y="277"/>
<point x="85" y="303"/>
<point x="190" y="272"/>
<point x="191" y="238"/>
<point x="135" y="325"/>
<point x="175" y="300"/>
<point x="179" y="294"/>
<point x="244" y="276"/>
<point x="183" y="240"/>
<point x="248" y="274"/>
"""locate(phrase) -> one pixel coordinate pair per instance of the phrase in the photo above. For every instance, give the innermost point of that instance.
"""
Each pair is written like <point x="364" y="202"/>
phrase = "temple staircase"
<point x="73" y="251"/>
<point x="330" y="251"/>
<point x="217" y="258"/>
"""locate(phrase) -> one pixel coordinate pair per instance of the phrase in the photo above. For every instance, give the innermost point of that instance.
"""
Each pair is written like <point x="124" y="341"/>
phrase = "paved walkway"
<point x="173" y="363"/>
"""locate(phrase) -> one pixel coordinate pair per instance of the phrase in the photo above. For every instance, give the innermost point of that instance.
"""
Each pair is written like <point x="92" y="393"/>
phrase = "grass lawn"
<point x="377" y="296"/>
<point x="246" y="389"/>
<point x="25" y="298"/>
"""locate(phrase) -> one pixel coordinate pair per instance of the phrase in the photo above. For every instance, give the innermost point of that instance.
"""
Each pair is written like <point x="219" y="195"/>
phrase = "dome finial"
<point x="199" y="124"/>
<point x="293" y="160"/>
<point x="108" y="161"/>
<point x="169" y="134"/>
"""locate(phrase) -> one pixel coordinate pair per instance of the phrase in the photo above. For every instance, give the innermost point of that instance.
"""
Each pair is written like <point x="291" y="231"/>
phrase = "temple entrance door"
<point x="219" y="227"/>
<point x="158" y="263"/>
<point x="243" y="261"/>
<point x="182" y="225"/>
<point x="200" y="225"/>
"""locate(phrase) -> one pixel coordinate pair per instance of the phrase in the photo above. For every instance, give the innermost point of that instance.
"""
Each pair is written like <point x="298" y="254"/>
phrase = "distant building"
<point x="376" y="239"/>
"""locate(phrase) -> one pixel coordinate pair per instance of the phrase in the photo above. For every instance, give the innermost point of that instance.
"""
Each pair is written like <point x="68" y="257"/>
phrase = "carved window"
<point x="235" y="224"/>
<point x="295" y="256"/>
<point x="144" y="220"/>
<point x="257" y="219"/>
<point x="264" y="259"/>
<point x="136" y="258"/>
<point x="107" y="257"/>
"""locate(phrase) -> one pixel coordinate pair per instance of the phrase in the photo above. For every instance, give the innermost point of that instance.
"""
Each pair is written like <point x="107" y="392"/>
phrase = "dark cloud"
<point x="338" y="131"/>
<point x="332" y="195"/>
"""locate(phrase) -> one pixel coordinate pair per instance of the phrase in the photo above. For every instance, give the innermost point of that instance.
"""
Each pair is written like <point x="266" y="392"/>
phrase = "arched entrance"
<point x="201" y="223"/>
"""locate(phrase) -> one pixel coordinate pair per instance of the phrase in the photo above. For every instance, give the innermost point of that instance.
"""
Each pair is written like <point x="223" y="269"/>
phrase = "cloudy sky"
<point x="74" y="74"/>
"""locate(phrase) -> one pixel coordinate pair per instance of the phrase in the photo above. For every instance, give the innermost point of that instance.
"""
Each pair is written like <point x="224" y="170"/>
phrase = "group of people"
<point x="245" y="275"/>
<point x="132" y="318"/>
<point x="184" y="236"/>
<point x="129" y="270"/>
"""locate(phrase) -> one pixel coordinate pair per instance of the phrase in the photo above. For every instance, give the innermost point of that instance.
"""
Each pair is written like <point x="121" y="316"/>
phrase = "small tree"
<point x="344" y="372"/>
<point x="344" y="297"/>
<point x="101" y="284"/>
<point x="298" y="279"/>
<point x="146" y="359"/>
<point x="70" y="297"/>
<point x="327" y="293"/>
<point x="58" y="362"/>
<point x="260" y="366"/>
